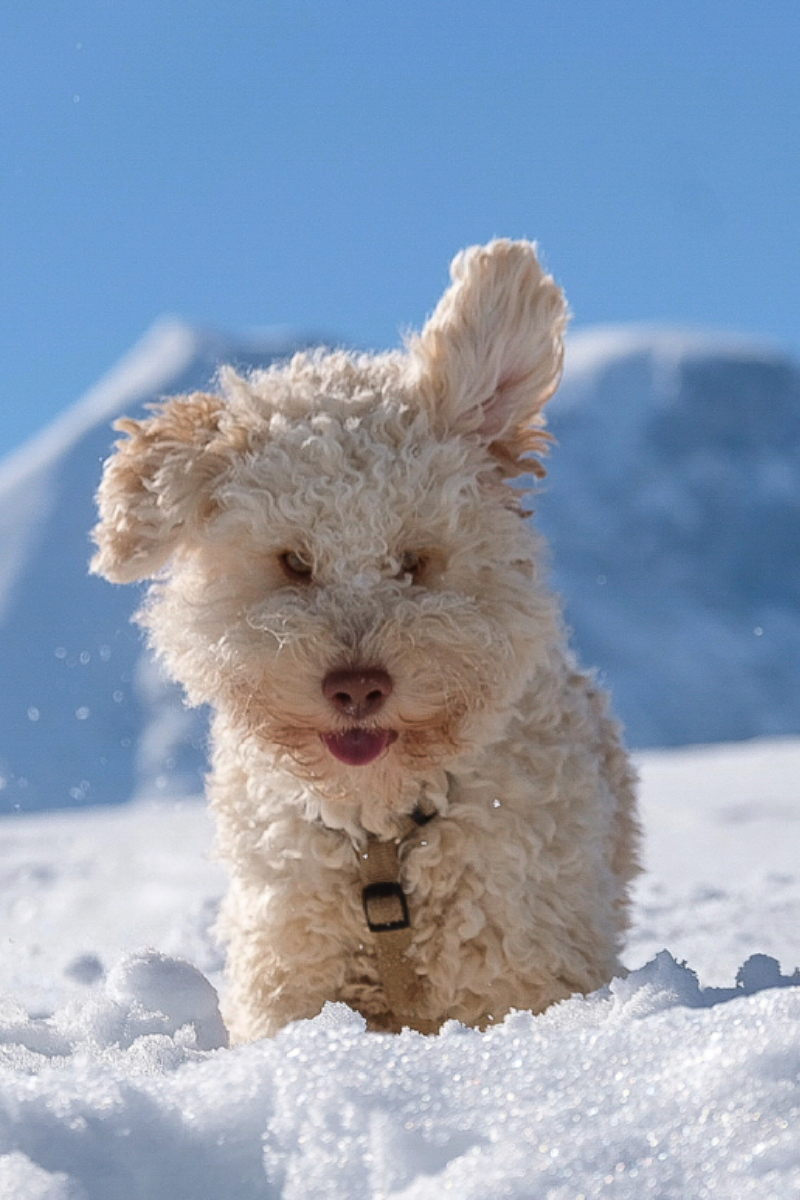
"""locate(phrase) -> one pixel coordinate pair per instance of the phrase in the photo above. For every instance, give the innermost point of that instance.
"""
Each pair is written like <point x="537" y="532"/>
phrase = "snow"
<point x="678" y="1081"/>
<point x="598" y="348"/>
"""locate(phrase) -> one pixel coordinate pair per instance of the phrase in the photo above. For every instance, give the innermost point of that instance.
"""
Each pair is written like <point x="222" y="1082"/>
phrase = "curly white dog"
<point x="425" y="807"/>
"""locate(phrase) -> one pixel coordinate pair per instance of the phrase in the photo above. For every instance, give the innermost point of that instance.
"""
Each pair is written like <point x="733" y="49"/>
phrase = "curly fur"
<point x="390" y="477"/>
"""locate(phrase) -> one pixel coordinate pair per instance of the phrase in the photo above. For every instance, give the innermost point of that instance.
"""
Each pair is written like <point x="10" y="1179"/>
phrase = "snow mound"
<point x="161" y="1009"/>
<point x="653" y="1086"/>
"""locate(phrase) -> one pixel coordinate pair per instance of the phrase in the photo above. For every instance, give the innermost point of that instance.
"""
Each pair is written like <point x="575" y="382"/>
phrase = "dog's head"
<point x="338" y="558"/>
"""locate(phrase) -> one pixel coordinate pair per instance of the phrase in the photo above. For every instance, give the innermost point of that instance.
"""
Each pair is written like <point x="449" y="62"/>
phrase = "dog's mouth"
<point x="357" y="747"/>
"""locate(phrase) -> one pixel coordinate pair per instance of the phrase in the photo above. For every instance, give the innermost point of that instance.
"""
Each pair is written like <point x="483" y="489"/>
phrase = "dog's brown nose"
<point x="357" y="693"/>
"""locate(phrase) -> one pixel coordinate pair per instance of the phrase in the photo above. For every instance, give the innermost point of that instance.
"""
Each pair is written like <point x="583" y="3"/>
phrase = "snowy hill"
<point x="673" y="507"/>
<point x="85" y="717"/>
<point x="672" y="502"/>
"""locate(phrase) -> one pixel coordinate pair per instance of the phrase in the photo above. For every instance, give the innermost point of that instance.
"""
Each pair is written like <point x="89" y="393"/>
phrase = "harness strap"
<point x="386" y="911"/>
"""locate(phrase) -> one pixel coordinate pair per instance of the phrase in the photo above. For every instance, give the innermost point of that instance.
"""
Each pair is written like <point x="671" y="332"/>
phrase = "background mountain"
<point x="673" y="508"/>
<point x="672" y="504"/>
<point x="85" y="715"/>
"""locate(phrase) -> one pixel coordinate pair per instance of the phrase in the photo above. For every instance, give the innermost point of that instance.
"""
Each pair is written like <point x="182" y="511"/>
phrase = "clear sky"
<point x="316" y="163"/>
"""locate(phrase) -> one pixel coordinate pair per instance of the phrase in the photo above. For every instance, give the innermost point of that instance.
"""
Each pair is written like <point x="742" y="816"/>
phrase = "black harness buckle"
<point x="375" y="892"/>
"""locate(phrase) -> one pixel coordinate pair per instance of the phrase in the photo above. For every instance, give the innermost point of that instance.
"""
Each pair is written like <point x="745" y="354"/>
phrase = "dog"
<point x="425" y="806"/>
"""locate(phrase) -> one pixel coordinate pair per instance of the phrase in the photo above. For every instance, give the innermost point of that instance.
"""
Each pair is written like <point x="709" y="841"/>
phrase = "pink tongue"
<point x="357" y="747"/>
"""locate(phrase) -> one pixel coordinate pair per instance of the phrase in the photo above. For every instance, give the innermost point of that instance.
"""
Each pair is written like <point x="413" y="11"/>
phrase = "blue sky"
<point x="244" y="163"/>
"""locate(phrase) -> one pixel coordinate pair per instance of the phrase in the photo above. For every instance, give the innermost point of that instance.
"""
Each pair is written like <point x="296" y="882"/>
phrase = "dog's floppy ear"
<point x="491" y="354"/>
<point x="157" y="486"/>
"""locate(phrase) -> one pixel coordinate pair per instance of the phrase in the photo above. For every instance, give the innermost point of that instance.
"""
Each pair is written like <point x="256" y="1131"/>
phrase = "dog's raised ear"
<point x="491" y="355"/>
<point x="157" y="486"/>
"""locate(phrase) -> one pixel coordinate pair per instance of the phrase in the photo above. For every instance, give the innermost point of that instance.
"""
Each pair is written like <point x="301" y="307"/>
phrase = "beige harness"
<point x="386" y="911"/>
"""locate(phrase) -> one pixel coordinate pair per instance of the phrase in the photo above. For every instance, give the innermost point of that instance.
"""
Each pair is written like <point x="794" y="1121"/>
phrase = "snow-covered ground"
<point x="677" y="1082"/>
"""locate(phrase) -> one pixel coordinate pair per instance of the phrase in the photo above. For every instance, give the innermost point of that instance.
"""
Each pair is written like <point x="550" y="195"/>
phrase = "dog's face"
<point x="340" y="565"/>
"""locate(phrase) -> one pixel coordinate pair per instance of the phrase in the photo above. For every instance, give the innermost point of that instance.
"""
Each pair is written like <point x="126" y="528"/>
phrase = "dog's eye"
<point x="295" y="567"/>
<point x="412" y="563"/>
